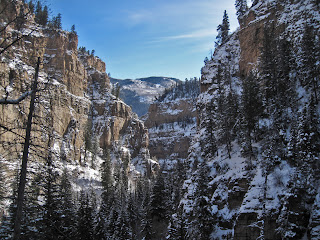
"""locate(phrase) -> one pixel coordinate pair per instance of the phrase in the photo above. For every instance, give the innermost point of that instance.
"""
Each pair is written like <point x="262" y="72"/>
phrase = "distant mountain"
<point x="140" y="93"/>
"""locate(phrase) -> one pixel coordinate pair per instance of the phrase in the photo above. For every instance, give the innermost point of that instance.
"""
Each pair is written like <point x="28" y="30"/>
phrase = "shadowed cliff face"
<point x="249" y="200"/>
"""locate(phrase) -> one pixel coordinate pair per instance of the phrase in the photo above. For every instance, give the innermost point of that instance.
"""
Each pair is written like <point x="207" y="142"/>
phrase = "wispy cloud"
<point x="182" y="14"/>
<point x="139" y="17"/>
<point x="192" y="35"/>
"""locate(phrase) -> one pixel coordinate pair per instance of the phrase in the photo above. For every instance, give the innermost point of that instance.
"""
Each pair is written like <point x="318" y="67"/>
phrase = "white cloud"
<point x="204" y="33"/>
<point x="187" y="14"/>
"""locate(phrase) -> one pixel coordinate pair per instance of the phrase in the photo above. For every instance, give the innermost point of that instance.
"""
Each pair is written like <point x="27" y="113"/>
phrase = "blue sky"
<point x="142" y="38"/>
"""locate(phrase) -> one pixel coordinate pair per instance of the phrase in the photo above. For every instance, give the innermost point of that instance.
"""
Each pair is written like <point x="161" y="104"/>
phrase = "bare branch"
<point x="15" y="101"/>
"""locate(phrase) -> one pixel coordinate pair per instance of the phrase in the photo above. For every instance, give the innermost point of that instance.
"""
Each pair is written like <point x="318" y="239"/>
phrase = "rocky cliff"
<point x="255" y="192"/>
<point x="74" y="90"/>
<point x="171" y="121"/>
<point x="171" y="127"/>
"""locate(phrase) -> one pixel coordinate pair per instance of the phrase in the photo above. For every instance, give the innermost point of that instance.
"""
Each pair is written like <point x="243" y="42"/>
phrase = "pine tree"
<point x="309" y="137"/>
<point x="66" y="206"/>
<point x="201" y="211"/>
<point x="133" y="216"/>
<point x="51" y="218"/>
<point x="21" y="18"/>
<point x="241" y="7"/>
<point x="38" y="12"/>
<point x="2" y="184"/>
<point x="84" y="229"/>
<point x="251" y="110"/>
<point x="209" y="141"/>
<point x="87" y="139"/>
<point x="106" y="172"/>
<point x="158" y="203"/>
<point x="268" y="68"/>
<point x="112" y="220"/>
<point x="73" y="29"/>
<point x="100" y="225"/>
<point x="286" y="84"/>
<point x="179" y="176"/>
<point x="31" y="6"/>
<point x="223" y="30"/>
<point x="122" y="226"/>
<point x="7" y="221"/>
<point x="146" y="224"/>
<point x="229" y="115"/>
<point x="310" y="58"/>
<point x="43" y="20"/>
<point x="147" y="228"/>
<point x="56" y="23"/>
<point x="177" y="229"/>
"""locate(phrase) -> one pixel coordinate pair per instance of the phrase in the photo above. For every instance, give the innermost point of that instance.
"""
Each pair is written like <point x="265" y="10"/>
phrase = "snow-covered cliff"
<point x="256" y="147"/>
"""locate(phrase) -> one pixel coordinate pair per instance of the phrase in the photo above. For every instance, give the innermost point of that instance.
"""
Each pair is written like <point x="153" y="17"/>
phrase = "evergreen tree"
<point x="147" y="228"/>
<point x="179" y="176"/>
<point x="84" y="229"/>
<point x="229" y="115"/>
<point x="56" y="22"/>
<point x="38" y="12"/>
<point x="43" y="18"/>
<point x="21" y="18"/>
<point x="308" y="135"/>
<point x="100" y="225"/>
<point x="146" y="224"/>
<point x="177" y="229"/>
<point x="51" y="216"/>
<point x="209" y="141"/>
<point x="133" y="216"/>
<point x="73" y="29"/>
<point x="158" y="203"/>
<point x="223" y="30"/>
<point x="269" y="68"/>
<point x="286" y="84"/>
<point x="31" y="6"/>
<point x="241" y="7"/>
<point x="66" y="206"/>
<point x="7" y="221"/>
<point x="251" y="109"/>
<point x="202" y="206"/>
<point x="122" y="226"/>
<point x="2" y="184"/>
<point x="112" y="220"/>
<point x="87" y="139"/>
<point x="310" y="58"/>
<point x="106" y="172"/>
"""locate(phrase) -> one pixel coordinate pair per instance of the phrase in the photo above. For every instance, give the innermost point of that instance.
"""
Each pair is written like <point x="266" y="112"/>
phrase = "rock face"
<point x="171" y="125"/>
<point x="76" y="91"/>
<point x="251" y="33"/>
<point x="248" y="200"/>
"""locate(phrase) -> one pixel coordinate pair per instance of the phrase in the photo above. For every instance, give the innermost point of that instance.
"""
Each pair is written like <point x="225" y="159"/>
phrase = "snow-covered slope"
<point x="171" y="121"/>
<point x="259" y="158"/>
<point x="140" y="93"/>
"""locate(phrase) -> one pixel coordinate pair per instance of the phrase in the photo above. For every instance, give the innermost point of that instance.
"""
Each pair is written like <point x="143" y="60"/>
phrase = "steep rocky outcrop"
<point x="171" y="127"/>
<point x="171" y="121"/>
<point x="75" y="90"/>
<point x="248" y="198"/>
